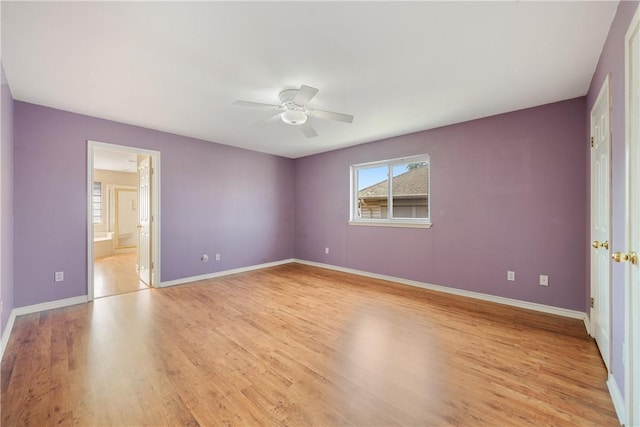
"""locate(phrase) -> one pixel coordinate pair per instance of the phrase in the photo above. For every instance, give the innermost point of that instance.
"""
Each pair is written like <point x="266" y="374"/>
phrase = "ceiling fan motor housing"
<point x="288" y="95"/>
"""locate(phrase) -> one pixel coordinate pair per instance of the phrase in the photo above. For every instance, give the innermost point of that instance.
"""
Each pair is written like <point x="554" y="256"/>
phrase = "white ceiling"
<point x="111" y="160"/>
<point x="398" y="67"/>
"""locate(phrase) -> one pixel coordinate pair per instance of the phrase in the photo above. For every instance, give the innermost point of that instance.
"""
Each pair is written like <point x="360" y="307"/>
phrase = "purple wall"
<point x="612" y="62"/>
<point x="214" y="198"/>
<point x="6" y="201"/>
<point x="507" y="193"/>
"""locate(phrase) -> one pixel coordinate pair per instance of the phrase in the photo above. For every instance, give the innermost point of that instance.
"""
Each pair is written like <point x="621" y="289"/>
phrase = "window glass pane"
<point x="373" y="191"/>
<point x="392" y="191"/>
<point x="409" y="190"/>
<point x="97" y="202"/>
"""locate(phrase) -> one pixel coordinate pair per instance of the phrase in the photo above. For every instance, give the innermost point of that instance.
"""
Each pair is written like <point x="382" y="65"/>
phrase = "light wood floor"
<point x="297" y="345"/>
<point x="116" y="274"/>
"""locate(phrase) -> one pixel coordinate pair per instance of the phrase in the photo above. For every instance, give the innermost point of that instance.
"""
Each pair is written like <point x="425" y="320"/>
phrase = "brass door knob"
<point x="597" y="244"/>
<point x="632" y="257"/>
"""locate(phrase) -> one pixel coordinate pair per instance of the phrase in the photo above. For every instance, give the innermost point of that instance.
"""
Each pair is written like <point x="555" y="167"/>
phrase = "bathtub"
<point x="102" y="243"/>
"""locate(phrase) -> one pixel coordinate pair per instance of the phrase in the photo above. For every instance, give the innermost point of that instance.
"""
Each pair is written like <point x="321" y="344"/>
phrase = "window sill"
<point x="392" y="224"/>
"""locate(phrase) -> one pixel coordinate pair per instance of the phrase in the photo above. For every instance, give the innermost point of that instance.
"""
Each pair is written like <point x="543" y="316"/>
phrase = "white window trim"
<point x="388" y="222"/>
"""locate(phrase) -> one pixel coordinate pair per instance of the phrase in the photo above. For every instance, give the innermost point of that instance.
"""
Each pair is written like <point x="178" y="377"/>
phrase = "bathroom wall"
<point x="111" y="178"/>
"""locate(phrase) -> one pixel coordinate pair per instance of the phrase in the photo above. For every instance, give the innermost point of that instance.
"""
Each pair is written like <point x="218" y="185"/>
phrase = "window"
<point x="96" y="200"/>
<point x="391" y="192"/>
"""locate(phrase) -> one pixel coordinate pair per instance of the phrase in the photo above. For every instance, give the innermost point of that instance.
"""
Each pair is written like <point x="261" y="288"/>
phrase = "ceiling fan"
<point x="293" y="110"/>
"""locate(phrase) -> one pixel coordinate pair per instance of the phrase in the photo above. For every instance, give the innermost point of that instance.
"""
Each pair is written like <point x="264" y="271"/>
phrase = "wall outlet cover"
<point x="544" y="280"/>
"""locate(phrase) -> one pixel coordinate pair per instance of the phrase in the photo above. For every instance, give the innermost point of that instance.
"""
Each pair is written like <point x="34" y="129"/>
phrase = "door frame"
<point x="605" y="89"/>
<point x="631" y="291"/>
<point x="155" y="209"/>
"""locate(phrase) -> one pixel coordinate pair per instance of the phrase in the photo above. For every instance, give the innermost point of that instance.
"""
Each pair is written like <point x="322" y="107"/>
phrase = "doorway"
<point x="123" y="221"/>
<point x="600" y="222"/>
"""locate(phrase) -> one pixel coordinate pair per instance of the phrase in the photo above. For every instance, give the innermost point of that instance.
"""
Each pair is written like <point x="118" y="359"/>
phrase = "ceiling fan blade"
<point x="272" y="118"/>
<point x="330" y="115"/>
<point x="304" y="95"/>
<point x="308" y="130"/>
<point x="256" y="104"/>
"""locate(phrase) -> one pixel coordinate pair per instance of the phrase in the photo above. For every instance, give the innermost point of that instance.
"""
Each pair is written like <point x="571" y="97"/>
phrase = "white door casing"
<point x="632" y="223"/>
<point x="600" y="221"/>
<point x="144" y="220"/>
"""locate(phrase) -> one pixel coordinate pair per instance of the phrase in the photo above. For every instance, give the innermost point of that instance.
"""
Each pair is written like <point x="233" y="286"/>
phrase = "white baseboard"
<point x="19" y="311"/>
<point x="618" y="401"/>
<point x="587" y="324"/>
<point x="50" y="305"/>
<point x="223" y="273"/>
<point x="461" y="292"/>
<point x="7" y="332"/>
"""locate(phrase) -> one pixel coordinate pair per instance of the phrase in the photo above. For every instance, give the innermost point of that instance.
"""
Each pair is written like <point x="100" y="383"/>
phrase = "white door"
<point x="144" y="220"/>
<point x="600" y="208"/>
<point x="632" y="224"/>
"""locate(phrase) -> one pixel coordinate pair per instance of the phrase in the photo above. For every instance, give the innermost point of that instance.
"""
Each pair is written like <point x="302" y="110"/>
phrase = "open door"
<point x="145" y="266"/>
<point x="600" y="222"/>
<point x="631" y="250"/>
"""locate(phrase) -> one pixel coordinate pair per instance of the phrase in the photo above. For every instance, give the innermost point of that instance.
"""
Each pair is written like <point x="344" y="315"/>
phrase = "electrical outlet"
<point x="217" y="257"/>
<point x="326" y="250"/>
<point x="204" y="258"/>
<point x="511" y="276"/>
<point x="59" y="276"/>
<point x="544" y="280"/>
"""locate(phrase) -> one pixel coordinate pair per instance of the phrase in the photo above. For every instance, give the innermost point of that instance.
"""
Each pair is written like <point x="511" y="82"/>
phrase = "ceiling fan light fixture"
<point x="294" y="117"/>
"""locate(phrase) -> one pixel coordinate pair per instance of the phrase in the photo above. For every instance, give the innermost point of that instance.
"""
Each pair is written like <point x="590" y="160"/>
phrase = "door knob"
<point x="597" y="244"/>
<point x="138" y="226"/>
<point x="632" y="257"/>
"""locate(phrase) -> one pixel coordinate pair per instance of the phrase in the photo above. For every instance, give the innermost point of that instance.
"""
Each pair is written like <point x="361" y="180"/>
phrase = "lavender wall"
<point x="214" y="199"/>
<point x="507" y="193"/>
<point x="6" y="201"/>
<point x="612" y="62"/>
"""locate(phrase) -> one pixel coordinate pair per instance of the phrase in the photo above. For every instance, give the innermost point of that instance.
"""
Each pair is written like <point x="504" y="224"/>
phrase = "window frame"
<point x="388" y="222"/>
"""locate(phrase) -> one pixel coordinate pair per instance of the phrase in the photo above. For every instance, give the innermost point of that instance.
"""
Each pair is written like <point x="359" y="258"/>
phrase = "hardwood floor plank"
<point x="116" y="274"/>
<point x="299" y="345"/>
